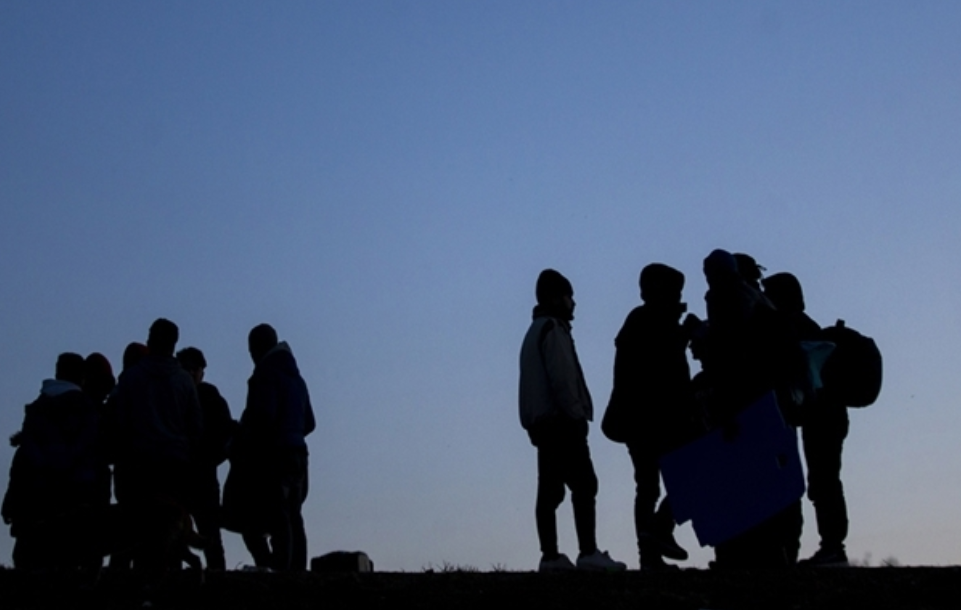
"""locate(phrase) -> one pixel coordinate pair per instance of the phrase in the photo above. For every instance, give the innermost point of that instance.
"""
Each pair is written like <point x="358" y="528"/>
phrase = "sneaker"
<point x="559" y="564"/>
<point x="826" y="558"/>
<point x="600" y="561"/>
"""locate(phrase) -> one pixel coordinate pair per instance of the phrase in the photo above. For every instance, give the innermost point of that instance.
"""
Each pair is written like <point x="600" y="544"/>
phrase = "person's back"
<point x="159" y="412"/>
<point x="158" y="428"/>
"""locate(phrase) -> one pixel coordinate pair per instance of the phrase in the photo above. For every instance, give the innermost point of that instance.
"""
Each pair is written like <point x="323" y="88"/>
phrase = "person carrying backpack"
<point x="851" y="376"/>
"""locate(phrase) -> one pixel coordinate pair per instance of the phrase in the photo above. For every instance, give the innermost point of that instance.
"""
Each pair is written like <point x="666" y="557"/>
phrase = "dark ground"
<point x="876" y="588"/>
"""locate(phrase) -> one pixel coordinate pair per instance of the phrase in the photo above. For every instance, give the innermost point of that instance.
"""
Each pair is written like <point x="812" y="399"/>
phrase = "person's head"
<point x="554" y="292"/>
<point x="720" y="266"/>
<point x="163" y="337"/>
<point x="133" y="353"/>
<point x="262" y="339"/>
<point x="98" y="379"/>
<point x="784" y="292"/>
<point x="192" y="360"/>
<point x="748" y="268"/>
<point x="661" y="285"/>
<point x="70" y="368"/>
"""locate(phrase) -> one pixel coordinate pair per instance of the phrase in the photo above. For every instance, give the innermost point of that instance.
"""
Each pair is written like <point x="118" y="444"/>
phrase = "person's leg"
<point x="580" y="477"/>
<point x="647" y="490"/>
<point x="823" y="444"/>
<point x="298" y="547"/>
<point x="550" y="494"/>
<point x="206" y="513"/>
<point x="258" y="548"/>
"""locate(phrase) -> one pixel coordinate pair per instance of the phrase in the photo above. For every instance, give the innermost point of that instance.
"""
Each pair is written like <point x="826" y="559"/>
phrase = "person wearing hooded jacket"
<point x="824" y="427"/>
<point x="555" y="408"/>
<point x="267" y="484"/>
<point x="54" y="474"/>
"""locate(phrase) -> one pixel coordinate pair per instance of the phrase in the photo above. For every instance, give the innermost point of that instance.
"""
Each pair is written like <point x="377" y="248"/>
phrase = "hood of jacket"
<point x="279" y="359"/>
<point x="55" y="387"/>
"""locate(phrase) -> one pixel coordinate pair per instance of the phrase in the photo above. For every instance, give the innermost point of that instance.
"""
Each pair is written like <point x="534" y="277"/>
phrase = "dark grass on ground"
<point x="874" y="588"/>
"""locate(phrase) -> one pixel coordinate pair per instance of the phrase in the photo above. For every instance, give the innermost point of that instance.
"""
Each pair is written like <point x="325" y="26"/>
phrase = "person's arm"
<point x="563" y="373"/>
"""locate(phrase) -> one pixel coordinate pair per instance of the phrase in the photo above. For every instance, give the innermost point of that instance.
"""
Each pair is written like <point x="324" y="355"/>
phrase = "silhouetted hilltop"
<point x="874" y="588"/>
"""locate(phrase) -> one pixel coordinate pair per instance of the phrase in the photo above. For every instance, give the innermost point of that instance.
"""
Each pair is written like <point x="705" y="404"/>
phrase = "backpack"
<point x="852" y="373"/>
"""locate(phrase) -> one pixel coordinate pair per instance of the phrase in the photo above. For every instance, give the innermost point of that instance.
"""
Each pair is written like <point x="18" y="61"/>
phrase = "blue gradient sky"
<point x="382" y="181"/>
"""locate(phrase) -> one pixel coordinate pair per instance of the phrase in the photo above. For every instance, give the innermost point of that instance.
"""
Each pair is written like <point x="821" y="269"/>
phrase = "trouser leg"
<point x="258" y="548"/>
<point x="647" y="490"/>
<point x="823" y="444"/>
<point x="288" y="537"/>
<point x="207" y="516"/>
<point x="550" y="494"/>
<point x="298" y="533"/>
<point x="583" y="483"/>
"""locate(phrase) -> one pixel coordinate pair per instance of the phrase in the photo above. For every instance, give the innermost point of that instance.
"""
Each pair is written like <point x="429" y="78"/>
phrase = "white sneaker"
<point x="559" y="564"/>
<point x="600" y="561"/>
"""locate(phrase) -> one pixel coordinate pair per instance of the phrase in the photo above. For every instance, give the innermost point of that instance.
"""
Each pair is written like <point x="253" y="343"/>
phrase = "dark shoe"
<point x="561" y="563"/>
<point x="826" y="558"/>
<point x="664" y="544"/>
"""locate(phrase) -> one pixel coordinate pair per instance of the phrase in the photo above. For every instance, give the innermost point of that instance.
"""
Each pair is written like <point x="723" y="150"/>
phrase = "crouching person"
<point x="555" y="408"/>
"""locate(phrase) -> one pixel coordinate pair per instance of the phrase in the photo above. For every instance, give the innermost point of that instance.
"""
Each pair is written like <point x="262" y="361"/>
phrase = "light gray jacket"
<point x="551" y="379"/>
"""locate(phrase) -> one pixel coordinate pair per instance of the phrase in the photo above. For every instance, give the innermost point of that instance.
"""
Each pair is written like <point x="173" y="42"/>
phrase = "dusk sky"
<point x="383" y="181"/>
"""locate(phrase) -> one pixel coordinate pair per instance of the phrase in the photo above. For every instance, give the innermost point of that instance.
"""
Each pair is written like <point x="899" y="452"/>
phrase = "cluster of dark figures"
<point x="127" y="468"/>
<point x="754" y="341"/>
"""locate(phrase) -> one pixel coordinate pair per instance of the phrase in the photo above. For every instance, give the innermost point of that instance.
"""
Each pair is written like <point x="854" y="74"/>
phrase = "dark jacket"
<point x="269" y="446"/>
<point x="158" y="413"/>
<point x="218" y="425"/>
<point x="58" y="457"/>
<point x="652" y="378"/>
<point x="278" y="415"/>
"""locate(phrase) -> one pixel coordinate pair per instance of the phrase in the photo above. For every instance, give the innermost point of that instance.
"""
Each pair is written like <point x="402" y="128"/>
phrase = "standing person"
<point x="555" y="408"/>
<point x="267" y="484"/>
<point x="745" y="356"/>
<point x="218" y="427"/>
<point x="824" y="428"/>
<point x="53" y="477"/>
<point x="653" y="391"/>
<point x="159" y="426"/>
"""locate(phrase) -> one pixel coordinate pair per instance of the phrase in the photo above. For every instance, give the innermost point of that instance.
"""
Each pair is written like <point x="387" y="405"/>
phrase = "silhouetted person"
<point x="652" y="382"/>
<point x="218" y="427"/>
<point x="749" y="270"/>
<point x="159" y="426"/>
<point x="555" y="408"/>
<point x="268" y="483"/>
<point x="747" y="353"/>
<point x="98" y="384"/>
<point x="53" y="477"/>
<point x="120" y="559"/>
<point x="825" y="426"/>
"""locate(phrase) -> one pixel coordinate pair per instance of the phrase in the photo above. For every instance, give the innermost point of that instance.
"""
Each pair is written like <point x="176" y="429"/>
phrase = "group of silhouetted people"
<point x="125" y="467"/>
<point x="756" y="339"/>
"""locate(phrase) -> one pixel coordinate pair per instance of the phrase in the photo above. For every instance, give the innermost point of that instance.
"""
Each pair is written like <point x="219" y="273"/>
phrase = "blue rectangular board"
<point x="726" y="487"/>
